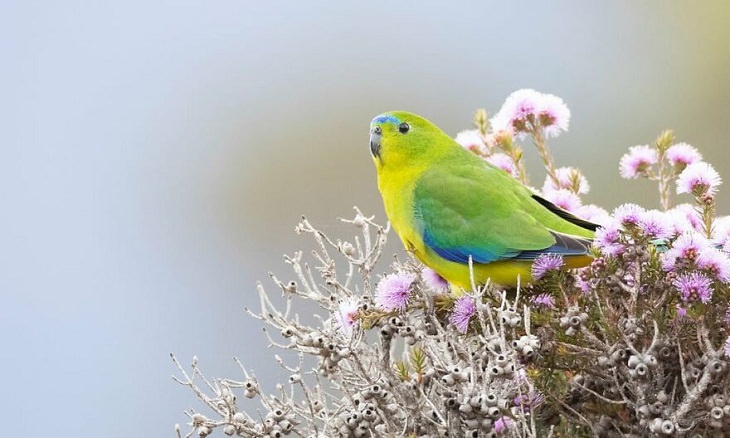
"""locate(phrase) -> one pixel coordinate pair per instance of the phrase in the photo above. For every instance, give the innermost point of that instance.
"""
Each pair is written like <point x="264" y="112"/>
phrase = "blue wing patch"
<point x="565" y="246"/>
<point x="462" y="254"/>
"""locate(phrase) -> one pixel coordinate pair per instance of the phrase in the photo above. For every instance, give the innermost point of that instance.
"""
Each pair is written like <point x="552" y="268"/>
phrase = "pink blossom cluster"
<point x="693" y="175"/>
<point x="527" y="109"/>
<point x="697" y="262"/>
<point x="693" y="251"/>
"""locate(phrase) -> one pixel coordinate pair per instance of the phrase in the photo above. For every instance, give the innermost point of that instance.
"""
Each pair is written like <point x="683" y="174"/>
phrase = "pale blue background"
<point x="155" y="157"/>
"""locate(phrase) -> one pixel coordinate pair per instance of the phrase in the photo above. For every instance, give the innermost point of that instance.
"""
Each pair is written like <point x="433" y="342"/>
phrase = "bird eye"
<point x="403" y="128"/>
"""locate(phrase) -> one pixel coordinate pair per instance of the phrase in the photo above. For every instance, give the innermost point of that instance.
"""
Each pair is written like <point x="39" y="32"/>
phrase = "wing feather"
<point x="479" y="211"/>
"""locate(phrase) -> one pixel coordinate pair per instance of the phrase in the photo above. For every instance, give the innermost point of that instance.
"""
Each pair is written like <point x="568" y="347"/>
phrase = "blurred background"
<point x="157" y="156"/>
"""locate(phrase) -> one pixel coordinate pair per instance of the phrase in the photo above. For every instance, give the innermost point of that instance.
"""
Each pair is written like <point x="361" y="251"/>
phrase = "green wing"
<point x="472" y="209"/>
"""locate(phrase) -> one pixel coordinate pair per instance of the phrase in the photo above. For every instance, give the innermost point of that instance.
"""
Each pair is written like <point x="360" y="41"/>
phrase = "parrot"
<point x="462" y="216"/>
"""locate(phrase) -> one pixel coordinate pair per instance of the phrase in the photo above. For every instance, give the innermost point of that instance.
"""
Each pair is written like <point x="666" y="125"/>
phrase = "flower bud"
<point x="645" y="412"/>
<point x="277" y="414"/>
<point x="656" y="425"/>
<point x="656" y="408"/>
<point x="528" y="351"/>
<point x="448" y="380"/>
<point x="650" y="360"/>
<point x="317" y="406"/>
<point x="347" y="248"/>
<point x="494" y="412"/>
<point x="452" y="403"/>
<point x="501" y="360"/>
<point x="716" y="366"/>
<point x="634" y="361"/>
<point x="717" y="413"/>
<point x="667" y="427"/>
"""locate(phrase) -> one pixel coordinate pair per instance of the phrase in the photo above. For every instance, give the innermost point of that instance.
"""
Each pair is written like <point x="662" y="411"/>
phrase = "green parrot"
<point x="451" y="207"/>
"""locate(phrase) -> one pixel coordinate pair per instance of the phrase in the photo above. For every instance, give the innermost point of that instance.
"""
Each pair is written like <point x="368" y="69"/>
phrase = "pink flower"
<point x="393" y="291"/>
<point x="530" y="400"/>
<point x="554" y="115"/>
<point x="685" y="249"/>
<point x="593" y="213"/>
<point x="543" y="300"/>
<point x="472" y="140"/>
<point x="434" y="281"/>
<point x="503" y="161"/>
<point x="464" y="309"/>
<point x="583" y="285"/>
<point x="516" y="108"/>
<point x="346" y="314"/>
<point x="715" y="262"/>
<point x="502" y="424"/>
<point x="628" y="214"/>
<point x="694" y="286"/>
<point x="607" y="239"/>
<point x="637" y="161"/>
<point x="568" y="178"/>
<point x="685" y="218"/>
<point x="528" y="107"/>
<point x="545" y="263"/>
<point x="655" y="224"/>
<point x="682" y="154"/>
<point x="721" y="230"/>
<point x="564" y="199"/>
<point x="698" y="179"/>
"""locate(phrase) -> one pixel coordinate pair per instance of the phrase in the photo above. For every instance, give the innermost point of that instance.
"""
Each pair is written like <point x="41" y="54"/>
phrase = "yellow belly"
<point x="503" y="273"/>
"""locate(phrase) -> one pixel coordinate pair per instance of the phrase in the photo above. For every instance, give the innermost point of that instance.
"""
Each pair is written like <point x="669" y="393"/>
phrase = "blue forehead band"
<point x="385" y="119"/>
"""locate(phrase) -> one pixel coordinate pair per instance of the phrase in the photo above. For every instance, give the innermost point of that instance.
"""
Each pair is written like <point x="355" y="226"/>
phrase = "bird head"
<point x="400" y="139"/>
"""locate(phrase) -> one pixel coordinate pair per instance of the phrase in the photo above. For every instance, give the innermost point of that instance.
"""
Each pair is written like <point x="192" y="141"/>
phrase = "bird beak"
<point x="375" y="134"/>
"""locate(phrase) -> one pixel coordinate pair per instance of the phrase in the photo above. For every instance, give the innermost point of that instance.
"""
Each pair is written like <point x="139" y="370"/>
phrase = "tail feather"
<point x="565" y="245"/>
